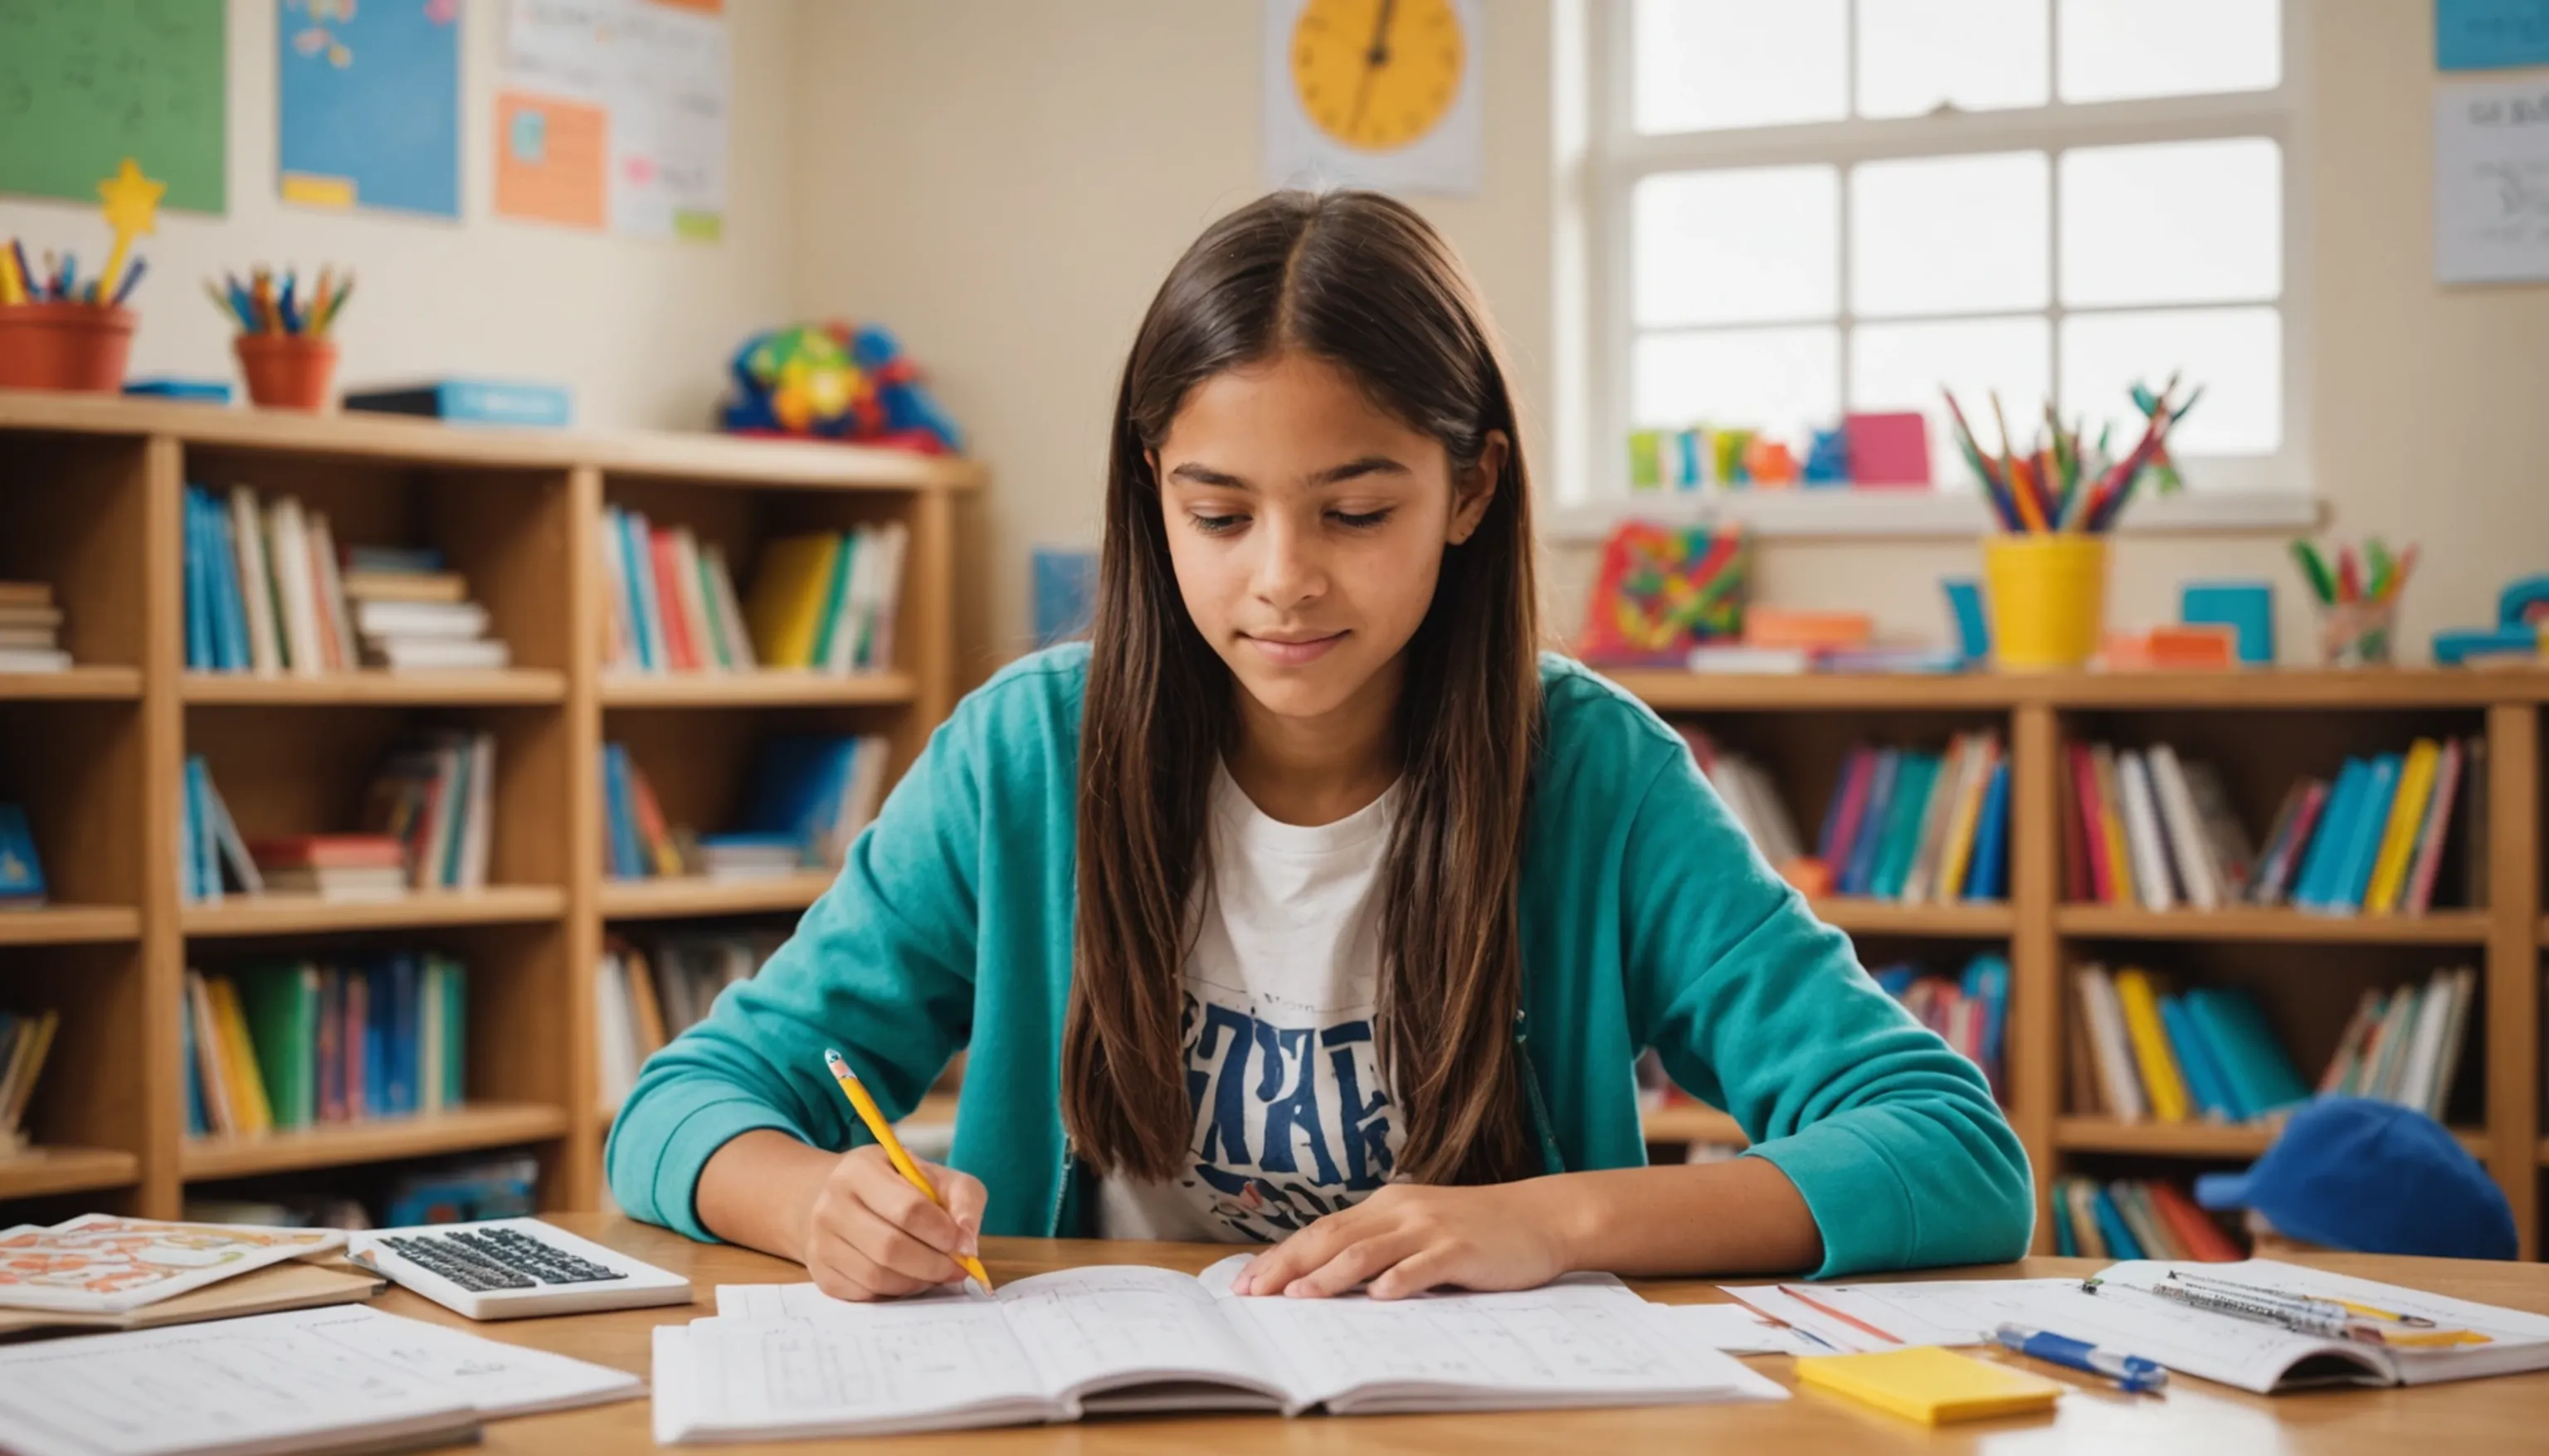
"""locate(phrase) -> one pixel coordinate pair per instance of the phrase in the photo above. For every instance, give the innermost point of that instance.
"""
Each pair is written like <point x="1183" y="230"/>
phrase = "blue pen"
<point x="2131" y="1372"/>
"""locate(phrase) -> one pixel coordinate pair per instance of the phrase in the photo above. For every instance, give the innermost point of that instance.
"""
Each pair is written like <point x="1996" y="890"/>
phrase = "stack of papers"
<point x="335" y="1378"/>
<point x="2123" y="1314"/>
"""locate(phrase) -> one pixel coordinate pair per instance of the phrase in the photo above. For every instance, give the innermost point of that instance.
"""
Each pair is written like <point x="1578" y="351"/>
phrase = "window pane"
<point x="1948" y="235"/>
<point x="1736" y="246"/>
<point x="1706" y="64"/>
<point x="2236" y="354"/>
<point x="1915" y="55"/>
<point x="2188" y="222"/>
<point x="1782" y="380"/>
<point x="2112" y="50"/>
<point x="1902" y="366"/>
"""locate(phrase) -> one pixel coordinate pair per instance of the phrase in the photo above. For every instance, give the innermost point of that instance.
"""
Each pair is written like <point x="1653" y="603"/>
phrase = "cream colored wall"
<point x="1017" y="178"/>
<point x="1023" y="174"/>
<point x="640" y="329"/>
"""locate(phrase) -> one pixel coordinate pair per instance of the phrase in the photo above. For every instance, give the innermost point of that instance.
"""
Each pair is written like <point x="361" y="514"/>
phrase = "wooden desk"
<point x="2193" y="1418"/>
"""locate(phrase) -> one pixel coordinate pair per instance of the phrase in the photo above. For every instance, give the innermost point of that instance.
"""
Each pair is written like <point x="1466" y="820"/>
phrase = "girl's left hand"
<point x="1407" y="1238"/>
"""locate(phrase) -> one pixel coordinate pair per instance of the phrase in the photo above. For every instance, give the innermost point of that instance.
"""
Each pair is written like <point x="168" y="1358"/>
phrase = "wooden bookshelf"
<point x="2262" y="729"/>
<point x="1963" y="921"/>
<point x="39" y="1172"/>
<point x="378" y="1141"/>
<point x="96" y="754"/>
<point x="66" y="925"/>
<point x="2193" y="1139"/>
<point x="400" y="690"/>
<point x="758" y="690"/>
<point x="687" y="896"/>
<point x="73" y="684"/>
<point x="282" y="914"/>
<point x="2132" y="923"/>
<point x="1691" y="1122"/>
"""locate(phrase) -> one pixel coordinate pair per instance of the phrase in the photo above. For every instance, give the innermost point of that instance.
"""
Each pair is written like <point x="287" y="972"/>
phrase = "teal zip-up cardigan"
<point x="1648" y="919"/>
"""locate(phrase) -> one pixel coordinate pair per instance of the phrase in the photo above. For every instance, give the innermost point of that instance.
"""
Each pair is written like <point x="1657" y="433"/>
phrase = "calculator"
<point x="509" y="1268"/>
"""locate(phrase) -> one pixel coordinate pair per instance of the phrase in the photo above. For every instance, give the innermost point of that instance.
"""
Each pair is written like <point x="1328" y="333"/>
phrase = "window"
<point x="1800" y="208"/>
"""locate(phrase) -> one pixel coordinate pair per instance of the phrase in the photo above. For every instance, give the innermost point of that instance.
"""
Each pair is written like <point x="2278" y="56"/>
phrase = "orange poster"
<point x="551" y="159"/>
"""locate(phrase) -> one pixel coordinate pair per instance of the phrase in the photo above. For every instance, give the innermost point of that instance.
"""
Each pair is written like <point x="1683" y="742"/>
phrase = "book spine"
<point x="2120" y="861"/>
<point x="2160" y="1074"/>
<point x="1989" y="880"/>
<point x="2399" y="835"/>
<point x="2436" y="833"/>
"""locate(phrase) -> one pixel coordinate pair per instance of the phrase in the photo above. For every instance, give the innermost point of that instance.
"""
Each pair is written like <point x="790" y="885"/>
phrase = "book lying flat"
<point x="106" y="1264"/>
<point x="785" y="1362"/>
<point x="294" y="1285"/>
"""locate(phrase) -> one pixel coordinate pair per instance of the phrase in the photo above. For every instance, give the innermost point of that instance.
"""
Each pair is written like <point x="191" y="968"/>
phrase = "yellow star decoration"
<point x="132" y="208"/>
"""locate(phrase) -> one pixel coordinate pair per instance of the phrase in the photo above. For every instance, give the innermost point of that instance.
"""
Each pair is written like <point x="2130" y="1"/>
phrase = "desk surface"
<point x="2466" y="1420"/>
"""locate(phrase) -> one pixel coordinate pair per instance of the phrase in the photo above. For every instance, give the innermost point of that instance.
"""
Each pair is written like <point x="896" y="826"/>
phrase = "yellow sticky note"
<point x="1927" y="1384"/>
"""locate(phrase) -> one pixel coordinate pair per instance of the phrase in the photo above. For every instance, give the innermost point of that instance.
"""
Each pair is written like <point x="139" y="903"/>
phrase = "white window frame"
<point x="1609" y="157"/>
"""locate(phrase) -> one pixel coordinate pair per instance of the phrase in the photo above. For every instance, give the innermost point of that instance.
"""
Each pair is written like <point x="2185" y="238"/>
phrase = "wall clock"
<point x="1374" y="93"/>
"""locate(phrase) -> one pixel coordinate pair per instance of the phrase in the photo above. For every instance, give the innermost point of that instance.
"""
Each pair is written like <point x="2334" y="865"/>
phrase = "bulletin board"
<point x="87" y="83"/>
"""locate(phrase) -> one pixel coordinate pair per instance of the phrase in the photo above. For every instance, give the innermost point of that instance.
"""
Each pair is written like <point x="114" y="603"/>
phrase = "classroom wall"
<point x="1013" y="182"/>
<point x="640" y="329"/>
<point x="1036" y="168"/>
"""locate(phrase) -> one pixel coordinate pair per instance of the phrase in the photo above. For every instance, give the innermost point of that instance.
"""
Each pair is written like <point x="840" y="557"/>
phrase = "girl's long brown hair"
<point x="1363" y="283"/>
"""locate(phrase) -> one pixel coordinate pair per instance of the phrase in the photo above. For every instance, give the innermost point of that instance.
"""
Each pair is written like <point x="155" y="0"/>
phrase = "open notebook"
<point x="782" y="1361"/>
<point x="2125" y="1316"/>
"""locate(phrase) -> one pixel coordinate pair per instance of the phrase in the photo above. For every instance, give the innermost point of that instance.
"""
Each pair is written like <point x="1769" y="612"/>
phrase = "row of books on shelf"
<point x="24" y="1042"/>
<point x="297" y="1045"/>
<point x="269" y="592"/>
<point x="1969" y="1010"/>
<point x="1904" y="825"/>
<point x="2146" y="827"/>
<point x="429" y="825"/>
<point x="643" y="998"/>
<point x="809" y="797"/>
<point x="823" y="600"/>
<point x="2208" y="1054"/>
<point x="2136" y="1219"/>
<point x="30" y="627"/>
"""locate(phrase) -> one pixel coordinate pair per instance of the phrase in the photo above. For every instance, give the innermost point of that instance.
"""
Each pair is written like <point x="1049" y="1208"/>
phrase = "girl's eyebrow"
<point x="1194" y="474"/>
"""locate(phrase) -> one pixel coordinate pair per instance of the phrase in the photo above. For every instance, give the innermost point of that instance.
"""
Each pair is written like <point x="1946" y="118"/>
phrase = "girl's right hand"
<point x="871" y="1235"/>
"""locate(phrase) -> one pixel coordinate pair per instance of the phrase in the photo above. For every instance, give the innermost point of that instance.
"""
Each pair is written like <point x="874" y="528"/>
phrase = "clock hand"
<point x="1374" y="58"/>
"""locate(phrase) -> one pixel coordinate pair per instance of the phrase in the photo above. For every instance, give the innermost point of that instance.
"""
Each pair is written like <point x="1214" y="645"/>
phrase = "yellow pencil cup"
<point x="2047" y="598"/>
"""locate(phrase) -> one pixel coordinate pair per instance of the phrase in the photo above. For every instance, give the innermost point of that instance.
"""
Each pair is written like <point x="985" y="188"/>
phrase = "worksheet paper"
<point x="276" y="1380"/>
<point x="1928" y="1312"/>
<point x="1736" y="1330"/>
<point x="785" y="1361"/>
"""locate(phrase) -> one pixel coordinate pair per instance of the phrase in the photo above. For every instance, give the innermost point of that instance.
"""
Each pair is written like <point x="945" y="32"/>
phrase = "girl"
<point x="1308" y="904"/>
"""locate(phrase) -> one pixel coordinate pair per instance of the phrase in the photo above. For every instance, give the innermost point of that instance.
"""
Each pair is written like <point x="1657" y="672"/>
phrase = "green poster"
<point x="87" y="83"/>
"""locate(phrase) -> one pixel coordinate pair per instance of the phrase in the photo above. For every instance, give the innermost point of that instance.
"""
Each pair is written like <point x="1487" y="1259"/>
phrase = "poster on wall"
<point x="84" y="86"/>
<point x="1374" y="93"/>
<point x="613" y="114"/>
<point x="367" y="104"/>
<point x="2491" y="35"/>
<point x="2491" y="182"/>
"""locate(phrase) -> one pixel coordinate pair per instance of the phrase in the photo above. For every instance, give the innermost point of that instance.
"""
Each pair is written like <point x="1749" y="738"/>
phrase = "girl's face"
<point x="1307" y="528"/>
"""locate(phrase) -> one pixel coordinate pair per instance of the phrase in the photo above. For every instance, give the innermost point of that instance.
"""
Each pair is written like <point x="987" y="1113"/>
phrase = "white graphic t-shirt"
<point x="1290" y="1119"/>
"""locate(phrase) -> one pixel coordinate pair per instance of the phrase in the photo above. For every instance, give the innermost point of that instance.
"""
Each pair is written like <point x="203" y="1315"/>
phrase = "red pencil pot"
<point x="65" y="346"/>
<point x="287" y="371"/>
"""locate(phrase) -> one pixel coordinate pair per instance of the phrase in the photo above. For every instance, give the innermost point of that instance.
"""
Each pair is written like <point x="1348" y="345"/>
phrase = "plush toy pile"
<point x="835" y="382"/>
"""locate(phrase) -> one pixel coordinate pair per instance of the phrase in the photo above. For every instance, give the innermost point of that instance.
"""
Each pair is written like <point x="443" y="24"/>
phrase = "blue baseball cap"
<point x="2371" y="1177"/>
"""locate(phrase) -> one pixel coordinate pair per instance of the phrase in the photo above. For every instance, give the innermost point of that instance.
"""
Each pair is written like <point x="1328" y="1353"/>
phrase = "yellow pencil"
<point x="883" y="1131"/>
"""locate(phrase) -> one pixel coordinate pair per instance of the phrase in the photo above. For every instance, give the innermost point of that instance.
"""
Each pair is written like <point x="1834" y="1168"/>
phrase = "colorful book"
<point x="2160" y="1075"/>
<point x="2436" y="837"/>
<point x="2353" y="875"/>
<point x="2205" y="1080"/>
<point x="1988" y="878"/>
<point x="790" y="594"/>
<point x="2407" y="820"/>
<point x="1870" y="839"/>
<point x="2315" y="887"/>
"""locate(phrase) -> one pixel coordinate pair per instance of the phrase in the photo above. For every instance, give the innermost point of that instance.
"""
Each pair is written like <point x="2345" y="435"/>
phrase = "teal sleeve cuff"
<point x="668" y="1192"/>
<point x="1858" y="1201"/>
